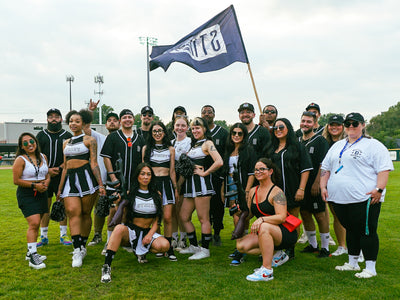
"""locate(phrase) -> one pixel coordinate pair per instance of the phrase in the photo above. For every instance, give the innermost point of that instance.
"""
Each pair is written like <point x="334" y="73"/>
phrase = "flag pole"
<point x="254" y="87"/>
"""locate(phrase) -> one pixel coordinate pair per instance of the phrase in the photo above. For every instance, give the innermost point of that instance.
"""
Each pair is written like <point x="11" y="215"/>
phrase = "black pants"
<point x="217" y="208"/>
<point x="353" y="218"/>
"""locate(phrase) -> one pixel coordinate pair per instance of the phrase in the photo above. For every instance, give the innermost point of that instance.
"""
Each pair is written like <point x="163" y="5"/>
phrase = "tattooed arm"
<point x="209" y="148"/>
<point x="94" y="165"/>
<point x="323" y="182"/>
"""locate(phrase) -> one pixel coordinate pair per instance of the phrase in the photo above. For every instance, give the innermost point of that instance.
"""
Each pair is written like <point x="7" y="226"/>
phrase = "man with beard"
<point x="219" y="136"/>
<point x="51" y="144"/>
<point x="112" y="122"/>
<point x="259" y="137"/>
<point x="318" y="129"/>
<point x="268" y="117"/>
<point x="317" y="147"/>
<point x="147" y="117"/>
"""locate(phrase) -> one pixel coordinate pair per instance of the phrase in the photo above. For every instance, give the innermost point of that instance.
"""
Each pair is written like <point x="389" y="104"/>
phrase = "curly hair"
<point x="150" y="145"/>
<point x="21" y="151"/>
<point x="86" y="116"/>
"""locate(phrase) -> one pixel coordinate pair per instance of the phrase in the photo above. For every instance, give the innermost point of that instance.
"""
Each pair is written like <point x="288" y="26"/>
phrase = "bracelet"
<point x="101" y="187"/>
<point x="301" y="189"/>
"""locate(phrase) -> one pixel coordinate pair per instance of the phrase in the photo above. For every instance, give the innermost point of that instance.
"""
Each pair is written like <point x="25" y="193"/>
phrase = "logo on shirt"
<point x="216" y="141"/>
<point x="356" y="153"/>
<point x="254" y="141"/>
<point x="311" y="151"/>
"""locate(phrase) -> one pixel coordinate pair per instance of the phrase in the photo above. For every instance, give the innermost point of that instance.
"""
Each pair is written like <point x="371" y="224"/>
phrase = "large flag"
<point x="213" y="46"/>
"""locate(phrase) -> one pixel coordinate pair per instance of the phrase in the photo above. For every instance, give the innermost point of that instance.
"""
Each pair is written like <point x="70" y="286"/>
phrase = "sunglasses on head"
<point x="280" y="127"/>
<point x="147" y="114"/>
<point x="269" y="111"/>
<point x="348" y="123"/>
<point x="31" y="141"/>
<point x="238" y="133"/>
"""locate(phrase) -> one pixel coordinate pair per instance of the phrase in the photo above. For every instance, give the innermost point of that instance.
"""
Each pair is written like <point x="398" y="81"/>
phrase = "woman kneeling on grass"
<point x="267" y="232"/>
<point x="30" y="174"/>
<point x="143" y="216"/>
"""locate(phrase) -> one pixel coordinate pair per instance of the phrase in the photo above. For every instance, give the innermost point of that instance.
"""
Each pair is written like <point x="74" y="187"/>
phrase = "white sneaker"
<point x="76" y="258"/>
<point x="106" y="274"/>
<point x="83" y="252"/>
<point x="331" y="241"/>
<point x="303" y="239"/>
<point x="41" y="257"/>
<point x="340" y="251"/>
<point x="261" y="274"/>
<point x="190" y="250"/>
<point x="365" y="274"/>
<point x="347" y="267"/>
<point x="361" y="257"/>
<point x="181" y="245"/>
<point x="104" y="251"/>
<point x="202" y="253"/>
<point x="35" y="261"/>
<point x="279" y="259"/>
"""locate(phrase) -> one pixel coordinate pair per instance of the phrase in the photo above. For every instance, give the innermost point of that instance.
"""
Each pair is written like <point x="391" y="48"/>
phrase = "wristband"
<point x="380" y="191"/>
<point x="301" y="189"/>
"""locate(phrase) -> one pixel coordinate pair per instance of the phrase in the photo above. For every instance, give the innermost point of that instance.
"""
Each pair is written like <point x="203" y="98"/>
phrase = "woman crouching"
<point x="143" y="216"/>
<point x="268" y="203"/>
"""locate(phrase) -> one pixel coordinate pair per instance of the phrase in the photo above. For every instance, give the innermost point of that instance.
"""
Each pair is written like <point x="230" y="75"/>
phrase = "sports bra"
<point x="76" y="149"/>
<point x="160" y="157"/>
<point x="143" y="205"/>
<point x="265" y="206"/>
<point x="33" y="173"/>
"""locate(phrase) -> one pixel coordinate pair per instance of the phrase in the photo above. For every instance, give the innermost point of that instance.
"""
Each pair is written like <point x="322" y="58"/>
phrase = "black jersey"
<point x="144" y="134"/>
<point x="131" y="152"/>
<point x="260" y="139"/>
<point x="317" y="131"/>
<point x="317" y="147"/>
<point x="219" y="136"/>
<point x="51" y="144"/>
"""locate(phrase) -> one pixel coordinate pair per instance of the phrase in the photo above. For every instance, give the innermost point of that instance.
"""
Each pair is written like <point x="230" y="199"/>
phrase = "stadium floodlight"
<point x="99" y="80"/>
<point x="70" y="79"/>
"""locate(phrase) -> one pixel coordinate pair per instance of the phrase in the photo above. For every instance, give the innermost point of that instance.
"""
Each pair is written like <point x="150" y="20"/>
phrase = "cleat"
<point x="106" y="273"/>
<point x="365" y="274"/>
<point x="347" y="267"/>
<point x="310" y="249"/>
<point x="262" y="274"/>
<point x="36" y="262"/>
<point x="279" y="258"/>
<point x="65" y="240"/>
<point x="96" y="239"/>
<point x="190" y="250"/>
<point x="340" y="251"/>
<point x="76" y="258"/>
<point x="323" y="253"/>
<point x="200" y="254"/>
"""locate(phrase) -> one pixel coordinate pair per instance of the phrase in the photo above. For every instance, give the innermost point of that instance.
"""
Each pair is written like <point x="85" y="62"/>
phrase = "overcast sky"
<point x="341" y="54"/>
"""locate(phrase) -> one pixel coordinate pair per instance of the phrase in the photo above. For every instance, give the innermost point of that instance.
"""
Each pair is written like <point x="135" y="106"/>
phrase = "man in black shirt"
<point x="219" y="136"/>
<point x="112" y="122"/>
<point x="259" y="136"/>
<point x="147" y="117"/>
<point x="268" y="117"/>
<point x="51" y="144"/>
<point x="314" y="108"/>
<point x="317" y="147"/>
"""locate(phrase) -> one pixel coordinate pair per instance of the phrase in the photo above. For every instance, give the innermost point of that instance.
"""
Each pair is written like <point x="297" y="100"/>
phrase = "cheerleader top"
<point x="76" y="149"/>
<point x="143" y="205"/>
<point x="197" y="155"/>
<point x="32" y="172"/>
<point x="160" y="157"/>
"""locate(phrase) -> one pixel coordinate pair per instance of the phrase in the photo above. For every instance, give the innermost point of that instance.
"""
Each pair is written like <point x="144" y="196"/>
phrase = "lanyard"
<point x="344" y="149"/>
<point x="36" y="167"/>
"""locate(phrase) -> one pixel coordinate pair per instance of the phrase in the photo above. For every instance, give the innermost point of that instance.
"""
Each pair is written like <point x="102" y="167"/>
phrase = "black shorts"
<point x="313" y="204"/>
<point x="31" y="204"/>
<point x="53" y="186"/>
<point x="289" y="239"/>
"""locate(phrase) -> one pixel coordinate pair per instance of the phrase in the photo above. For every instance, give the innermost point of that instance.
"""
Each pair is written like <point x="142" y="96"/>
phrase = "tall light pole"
<point x="152" y="42"/>
<point x="70" y="79"/>
<point x="99" y="79"/>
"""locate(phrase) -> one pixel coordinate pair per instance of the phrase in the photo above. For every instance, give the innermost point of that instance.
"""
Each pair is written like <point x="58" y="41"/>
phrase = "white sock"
<point x="63" y="230"/>
<point x="312" y="238"/>
<point x="175" y="235"/>
<point x="109" y="232"/>
<point x="324" y="240"/>
<point x="353" y="260"/>
<point x="32" y="248"/>
<point x="43" y="231"/>
<point x="370" y="266"/>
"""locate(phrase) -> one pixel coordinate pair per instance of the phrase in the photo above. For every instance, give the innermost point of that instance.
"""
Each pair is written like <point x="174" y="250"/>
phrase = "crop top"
<point x="160" y="157"/>
<point x="31" y="172"/>
<point x="197" y="155"/>
<point x="76" y="149"/>
<point x="265" y="206"/>
<point x="143" y="206"/>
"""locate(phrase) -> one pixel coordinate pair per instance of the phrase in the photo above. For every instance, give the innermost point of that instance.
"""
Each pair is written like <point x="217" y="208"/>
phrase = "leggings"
<point x="353" y="217"/>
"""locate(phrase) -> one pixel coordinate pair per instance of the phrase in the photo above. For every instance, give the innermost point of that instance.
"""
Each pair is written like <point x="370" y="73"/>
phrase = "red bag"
<point x="291" y="222"/>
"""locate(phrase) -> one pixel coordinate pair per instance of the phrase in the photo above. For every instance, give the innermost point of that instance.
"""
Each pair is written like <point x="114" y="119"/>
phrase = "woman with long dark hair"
<point x="268" y="203"/>
<point x="30" y="174"/>
<point x="80" y="182"/>
<point x="143" y="216"/>
<point x="198" y="188"/>
<point x="159" y="153"/>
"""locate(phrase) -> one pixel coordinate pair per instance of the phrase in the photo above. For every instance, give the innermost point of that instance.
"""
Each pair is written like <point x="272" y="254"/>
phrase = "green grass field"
<point x="305" y="277"/>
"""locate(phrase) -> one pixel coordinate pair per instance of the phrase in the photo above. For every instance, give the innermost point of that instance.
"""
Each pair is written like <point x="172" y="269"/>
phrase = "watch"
<point x="379" y="190"/>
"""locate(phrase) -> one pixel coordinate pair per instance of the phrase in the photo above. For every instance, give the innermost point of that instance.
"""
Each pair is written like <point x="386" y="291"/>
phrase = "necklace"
<point x="36" y="167"/>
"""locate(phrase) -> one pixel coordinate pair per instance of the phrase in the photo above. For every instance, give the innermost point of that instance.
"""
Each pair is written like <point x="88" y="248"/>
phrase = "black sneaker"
<point x="238" y="259"/>
<point x="310" y="249"/>
<point x="96" y="239"/>
<point x="217" y="240"/>
<point x="324" y="253"/>
<point x="290" y="252"/>
<point x="35" y="261"/>
<point x="234" y="254"/>
<point x="106" y="273"/>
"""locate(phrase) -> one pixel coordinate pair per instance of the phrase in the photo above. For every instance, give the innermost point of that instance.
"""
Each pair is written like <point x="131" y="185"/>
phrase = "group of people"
<point x="172" y="171"/>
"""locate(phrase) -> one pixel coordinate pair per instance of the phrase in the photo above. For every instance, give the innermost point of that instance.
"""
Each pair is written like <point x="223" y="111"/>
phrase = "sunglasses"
<point x="159" y="131"/>
<point x="207" y="112"/>
<point x="269" y="111"/>
<point x="237" y="133"/>
<point x="261" y="170"/>
<point x="31" y="141"/>
<point x="147" y="115"/>
<point x="347" y="124"/>
<point x="280" y="127"/>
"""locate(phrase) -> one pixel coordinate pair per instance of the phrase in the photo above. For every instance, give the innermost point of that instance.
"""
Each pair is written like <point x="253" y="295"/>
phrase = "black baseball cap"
<point x="336" y="119"/>
<point x="112" y="114"/>
<point x="147" y="109"/>
<point x="124" y="112"/>
<point x="181" y="108"/>
<point x="355" y="117"/>
<point x="54" y="110"/>
<point x="246" y="105"/>
<point x="313" y="105"/>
